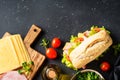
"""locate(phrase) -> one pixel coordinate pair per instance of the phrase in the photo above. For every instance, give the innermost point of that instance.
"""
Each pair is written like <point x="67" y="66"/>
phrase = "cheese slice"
<point x="12" y="53"/>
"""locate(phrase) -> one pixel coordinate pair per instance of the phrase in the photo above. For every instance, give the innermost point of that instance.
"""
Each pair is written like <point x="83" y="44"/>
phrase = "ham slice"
<point x="13" y="75"/>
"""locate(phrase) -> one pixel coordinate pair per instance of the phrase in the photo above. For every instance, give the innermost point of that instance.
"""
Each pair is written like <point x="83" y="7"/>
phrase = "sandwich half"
<point x="86" y="47"/>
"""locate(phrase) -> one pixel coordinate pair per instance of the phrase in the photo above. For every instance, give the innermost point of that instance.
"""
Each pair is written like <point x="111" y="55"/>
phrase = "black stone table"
<point x="61" y="18"/>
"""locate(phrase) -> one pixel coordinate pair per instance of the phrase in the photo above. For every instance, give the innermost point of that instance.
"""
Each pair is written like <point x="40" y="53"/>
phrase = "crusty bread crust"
<point x="90" y="49"/>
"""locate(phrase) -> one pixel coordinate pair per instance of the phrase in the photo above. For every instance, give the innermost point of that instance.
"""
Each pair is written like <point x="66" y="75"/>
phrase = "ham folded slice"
<point x="13" y="75"/>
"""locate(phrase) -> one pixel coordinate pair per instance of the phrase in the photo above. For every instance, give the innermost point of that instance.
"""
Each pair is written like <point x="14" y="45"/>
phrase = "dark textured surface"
<point x="61" y="18"/>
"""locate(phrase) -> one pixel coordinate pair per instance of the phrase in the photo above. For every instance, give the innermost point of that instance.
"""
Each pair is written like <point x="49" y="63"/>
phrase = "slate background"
<point x="61" y="18"/>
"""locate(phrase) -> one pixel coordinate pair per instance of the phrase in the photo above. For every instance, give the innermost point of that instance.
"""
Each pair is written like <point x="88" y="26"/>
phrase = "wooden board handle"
<point x="32" y="35"/>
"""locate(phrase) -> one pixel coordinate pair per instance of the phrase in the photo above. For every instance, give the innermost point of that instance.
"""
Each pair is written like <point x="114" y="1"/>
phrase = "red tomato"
<point x="105" y="66"/>
<point x="51" y="53"/>
<point x="56" y="42"/>
<point x="97" y="29"/>
<point x="79" y="39"/>
<point x="68" y="58"/>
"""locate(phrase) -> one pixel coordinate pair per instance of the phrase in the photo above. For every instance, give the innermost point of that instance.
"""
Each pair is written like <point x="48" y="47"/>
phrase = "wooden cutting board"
<point x="36" y="56"/>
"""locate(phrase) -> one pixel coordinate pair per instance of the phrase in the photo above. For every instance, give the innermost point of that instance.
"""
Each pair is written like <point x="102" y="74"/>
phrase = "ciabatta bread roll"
<point x="90" y="49"/>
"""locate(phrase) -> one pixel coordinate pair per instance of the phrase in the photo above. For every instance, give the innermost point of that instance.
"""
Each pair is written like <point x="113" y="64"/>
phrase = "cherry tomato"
<point x="79" y="39"/>
<point x="56" y="42"/>
<point x="51" y="53"/>
<point x="105" y="66"/>
<point x="68" y="58"/>
<point x="97" y="29"/>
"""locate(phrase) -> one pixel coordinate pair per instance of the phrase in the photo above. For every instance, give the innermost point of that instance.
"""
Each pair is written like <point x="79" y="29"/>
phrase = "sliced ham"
<point x="1" y="75"/>
<point x="13" y="75"/>
<point x="67" y="46"/>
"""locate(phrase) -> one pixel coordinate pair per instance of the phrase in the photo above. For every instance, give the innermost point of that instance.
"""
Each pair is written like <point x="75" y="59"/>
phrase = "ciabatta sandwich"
<point x="86" y="47"/>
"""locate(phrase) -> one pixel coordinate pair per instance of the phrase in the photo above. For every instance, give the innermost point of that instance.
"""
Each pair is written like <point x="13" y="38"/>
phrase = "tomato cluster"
<point x="51" y="53"/>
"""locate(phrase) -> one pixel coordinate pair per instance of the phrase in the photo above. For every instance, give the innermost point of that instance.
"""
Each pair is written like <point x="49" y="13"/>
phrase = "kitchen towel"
<point x="115" y="74"/>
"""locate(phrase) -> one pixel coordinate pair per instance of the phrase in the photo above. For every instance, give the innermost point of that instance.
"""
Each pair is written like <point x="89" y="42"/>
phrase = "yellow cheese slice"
<point x="12" y="53"/>
<point x="17" y="48"/>
<point x="23" y="49"/>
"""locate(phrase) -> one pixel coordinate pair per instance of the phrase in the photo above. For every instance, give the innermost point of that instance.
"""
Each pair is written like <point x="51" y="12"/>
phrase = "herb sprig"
<point x="26" y="67"/>
<point x="44" y="43"/>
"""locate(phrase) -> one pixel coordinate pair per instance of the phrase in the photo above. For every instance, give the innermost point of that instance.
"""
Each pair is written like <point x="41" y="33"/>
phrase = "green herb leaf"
<point x="44" y="43"/>
<point x="26" y="67"/>
<point x="72" y="38"/>
<point x="20" y="71"/>
<point x="116" y="48"/>
<point x="87" y="76"/>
